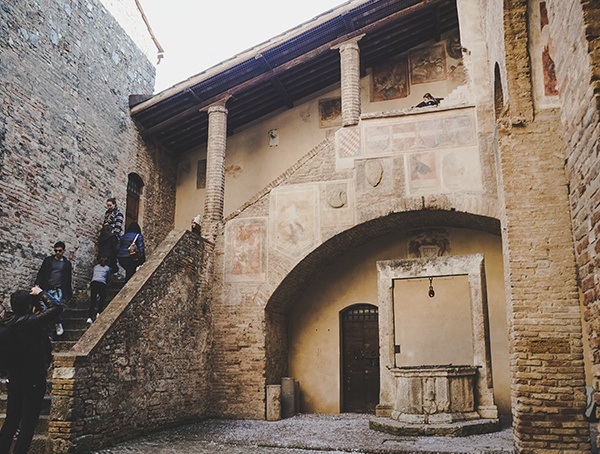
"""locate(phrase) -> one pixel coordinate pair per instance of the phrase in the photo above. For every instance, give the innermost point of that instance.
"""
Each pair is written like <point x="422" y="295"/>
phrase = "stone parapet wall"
<point x="67" y="141"/>
<point x="145" y="363"/>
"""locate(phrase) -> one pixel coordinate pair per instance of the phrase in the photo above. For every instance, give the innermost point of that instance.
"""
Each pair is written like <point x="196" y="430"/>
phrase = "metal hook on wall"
<point x="431" y="292"/>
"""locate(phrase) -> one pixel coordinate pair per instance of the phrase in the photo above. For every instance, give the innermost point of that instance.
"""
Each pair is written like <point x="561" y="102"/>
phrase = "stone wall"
<point x="144" y="364"/>
<point x="67" y="141"/>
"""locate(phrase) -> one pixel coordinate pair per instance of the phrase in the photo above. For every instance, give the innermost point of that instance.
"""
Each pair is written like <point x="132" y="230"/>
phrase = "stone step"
<point x="41" y="427"/>
<point x="39" y="444"/>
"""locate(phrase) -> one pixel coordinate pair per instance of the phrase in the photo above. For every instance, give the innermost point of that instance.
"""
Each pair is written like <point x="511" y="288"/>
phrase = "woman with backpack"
<point x="132" y="252"/>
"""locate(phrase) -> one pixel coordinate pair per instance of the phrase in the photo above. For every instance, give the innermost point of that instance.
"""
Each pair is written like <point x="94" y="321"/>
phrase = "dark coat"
<point x="108" y="245"/>
<point x="33" y="342"/>
<point x="43" y="277"/>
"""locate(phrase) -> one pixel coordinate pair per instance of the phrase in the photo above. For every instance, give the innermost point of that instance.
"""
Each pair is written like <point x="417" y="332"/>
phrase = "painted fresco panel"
<point x="428" y="64"/>
<point x="330" y="112"/>
<point x="448" y="129"/>
<point x="295" y="219"/>
<point x="390" y="80"/>
<point x="422" y="169"/>
<point x="543" y="69"/>
<point x="245" y="247"/>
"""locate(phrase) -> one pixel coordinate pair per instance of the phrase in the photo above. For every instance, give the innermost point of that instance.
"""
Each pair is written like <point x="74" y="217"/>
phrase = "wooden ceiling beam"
<point x="324" y="48"/>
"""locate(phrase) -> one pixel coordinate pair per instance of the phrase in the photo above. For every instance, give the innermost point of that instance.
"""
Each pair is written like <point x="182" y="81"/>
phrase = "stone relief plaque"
<point x="373" y="172"/>
<point x="337" y="204"/>
<point x="294" y="219"/>
<point x="245" y="258"/>
<point x="429" y="244"/>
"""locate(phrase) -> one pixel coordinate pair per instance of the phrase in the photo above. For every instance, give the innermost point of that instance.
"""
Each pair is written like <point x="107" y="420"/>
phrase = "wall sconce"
<point x="273" y="138"/>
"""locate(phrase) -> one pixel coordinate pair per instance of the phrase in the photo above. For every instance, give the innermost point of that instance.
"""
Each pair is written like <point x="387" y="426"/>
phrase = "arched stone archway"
<point x="285" y="297"/>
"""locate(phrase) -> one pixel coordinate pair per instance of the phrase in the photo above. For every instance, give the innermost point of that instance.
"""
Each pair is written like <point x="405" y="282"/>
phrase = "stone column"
<point x="350" y="80"/>
<point x="215" y="169"/>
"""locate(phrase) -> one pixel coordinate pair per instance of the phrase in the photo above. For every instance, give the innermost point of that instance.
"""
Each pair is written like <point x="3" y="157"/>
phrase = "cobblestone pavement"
<point x="304" y="434"/>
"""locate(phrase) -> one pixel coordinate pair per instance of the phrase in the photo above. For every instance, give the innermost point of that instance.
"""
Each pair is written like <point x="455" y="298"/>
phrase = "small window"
<point x="134" y="191"/>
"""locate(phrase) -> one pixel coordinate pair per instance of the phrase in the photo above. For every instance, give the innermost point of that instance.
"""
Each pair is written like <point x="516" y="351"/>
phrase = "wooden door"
<point x="360" y="358"/>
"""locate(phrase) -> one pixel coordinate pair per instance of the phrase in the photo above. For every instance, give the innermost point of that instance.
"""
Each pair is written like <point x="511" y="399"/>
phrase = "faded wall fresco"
<point x="439" y="149"/>
<point x="543" y="70"/>
<point x="245" y="250"/>
<point x="390" y="80"/>
<point x="428" y="64"/>
<point x="294" y="219"/>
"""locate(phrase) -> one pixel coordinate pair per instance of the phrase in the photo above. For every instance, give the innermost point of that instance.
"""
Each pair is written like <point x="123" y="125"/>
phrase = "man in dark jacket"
<point x="27" y="378"/>
<point x="55" y="277"/>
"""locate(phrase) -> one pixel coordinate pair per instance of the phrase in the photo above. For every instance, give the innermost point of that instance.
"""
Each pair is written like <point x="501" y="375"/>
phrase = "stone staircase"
<point x="74" y="323"/>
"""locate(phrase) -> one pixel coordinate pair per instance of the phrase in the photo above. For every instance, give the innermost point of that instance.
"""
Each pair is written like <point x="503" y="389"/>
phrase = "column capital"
<point x="349" y="43"/>
<point x="219" y="105"/>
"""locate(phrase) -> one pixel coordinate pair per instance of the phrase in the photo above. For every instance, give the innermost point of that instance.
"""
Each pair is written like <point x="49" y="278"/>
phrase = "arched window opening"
<point x="498" y="93"/>
<point x="134" y="191"/>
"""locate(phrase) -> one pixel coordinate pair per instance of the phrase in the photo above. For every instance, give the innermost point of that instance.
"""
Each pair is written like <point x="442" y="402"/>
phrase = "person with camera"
<point x="33" y="313"/>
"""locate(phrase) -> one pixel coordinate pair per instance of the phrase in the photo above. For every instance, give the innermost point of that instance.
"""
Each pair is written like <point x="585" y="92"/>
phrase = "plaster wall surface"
<point x="314" y="322"/>
<point x="252" y="163"/>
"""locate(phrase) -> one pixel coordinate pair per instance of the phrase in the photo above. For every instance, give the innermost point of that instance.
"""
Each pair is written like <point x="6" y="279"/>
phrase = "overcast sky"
<point x="198" y="34"/>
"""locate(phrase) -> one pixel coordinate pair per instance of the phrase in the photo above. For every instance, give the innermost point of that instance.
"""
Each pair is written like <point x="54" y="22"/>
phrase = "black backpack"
<point x="10" y="352"/>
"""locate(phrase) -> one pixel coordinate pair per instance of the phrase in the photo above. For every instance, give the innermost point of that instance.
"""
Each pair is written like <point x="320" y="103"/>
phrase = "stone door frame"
<point x="474" y="268"/>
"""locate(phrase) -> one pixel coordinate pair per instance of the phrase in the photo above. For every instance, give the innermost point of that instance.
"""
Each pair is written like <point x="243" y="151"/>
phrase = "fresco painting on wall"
<point x="295" y="220"/>
<point x="390" y="80"/>
<point x="547" y="61"/>
<point x="422" y="168"/>
<point x="378" y="140"/>
<point x="428" y="64"/>
<point x="438" y="131"/>
<point x="330" y="112"/>
<point x="244" y="252"/>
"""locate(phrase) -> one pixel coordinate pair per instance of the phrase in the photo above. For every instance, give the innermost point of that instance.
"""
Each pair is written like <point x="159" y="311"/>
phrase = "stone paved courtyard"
<point x="304" y="434"/>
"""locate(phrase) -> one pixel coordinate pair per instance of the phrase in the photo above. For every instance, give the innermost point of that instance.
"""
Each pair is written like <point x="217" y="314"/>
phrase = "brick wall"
<point x="576" y="39"/>
<point x="67" y="141"/>
<point x="144" y="364"/>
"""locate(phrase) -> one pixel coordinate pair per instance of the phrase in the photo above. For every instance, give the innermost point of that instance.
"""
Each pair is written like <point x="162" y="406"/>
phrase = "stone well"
<point x="434" y="394"/>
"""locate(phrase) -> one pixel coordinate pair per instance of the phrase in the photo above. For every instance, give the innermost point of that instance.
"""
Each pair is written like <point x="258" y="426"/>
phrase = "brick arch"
<point x="291" y="286"/>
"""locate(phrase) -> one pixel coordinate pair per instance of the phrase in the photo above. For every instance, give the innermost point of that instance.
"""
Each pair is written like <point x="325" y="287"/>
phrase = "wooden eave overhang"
<point x="289" y="68"/>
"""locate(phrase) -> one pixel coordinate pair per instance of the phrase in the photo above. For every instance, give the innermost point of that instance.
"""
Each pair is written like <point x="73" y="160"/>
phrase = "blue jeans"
<point x="57" y="295"/>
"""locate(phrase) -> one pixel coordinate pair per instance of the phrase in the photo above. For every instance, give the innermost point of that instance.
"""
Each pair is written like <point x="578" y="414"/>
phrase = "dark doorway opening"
<point x="360" y="358"/>
<point x="134" y="191"/>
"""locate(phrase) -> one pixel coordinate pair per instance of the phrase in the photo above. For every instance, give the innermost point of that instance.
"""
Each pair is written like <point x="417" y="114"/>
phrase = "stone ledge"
<point x="456" y="429"/>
